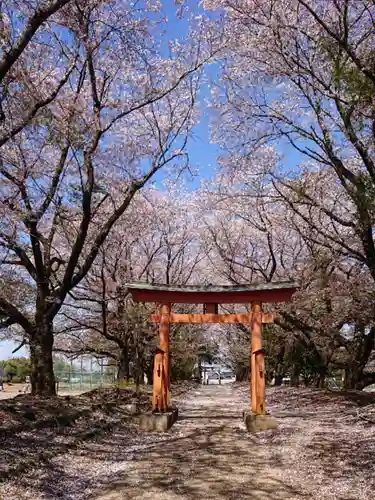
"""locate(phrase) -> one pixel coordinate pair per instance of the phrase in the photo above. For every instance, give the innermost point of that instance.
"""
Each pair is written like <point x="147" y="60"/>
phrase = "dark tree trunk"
<point x="322" y="374"/>
<point x="351" y="377"/>
<point x="354" y="378"/>
<point x="278" y="378"/>
<point x="138" y="368"/>
<point x="242" y="373"/>
<point x="279" y="371"/>
<point x="200" y="371"/>
<point x="149" y="371"/>
<point x="123" y="370"/>
<point x="42" y="377"/>
<point x="294" y="379"/>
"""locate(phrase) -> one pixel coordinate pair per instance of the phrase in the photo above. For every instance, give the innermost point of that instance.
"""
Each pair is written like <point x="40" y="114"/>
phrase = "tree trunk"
<point x="148" y="369"/>
<point x="320" y="382"/>
<point x="242" y="373"/>
<point x="123" y="371"/>
<point x="278" y="378"/>
<point x="350" y="378"/>
<point x="42" y="377"/>
<point x="354" y="378"/>
<point x="138" y="368"/>
<point x="279" y="371"/>
<point x="199" y="368"/>
<point x="294" y="379"/>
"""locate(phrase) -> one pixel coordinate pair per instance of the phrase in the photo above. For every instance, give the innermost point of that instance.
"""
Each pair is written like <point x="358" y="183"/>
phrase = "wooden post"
<point x="169" y="379"/>
<point x="257" y="361"/>
<point x="261" y="383"/>
<point x="157" y="394"/>
<point x="210" y="308"/>
<point x="164" y="346"/>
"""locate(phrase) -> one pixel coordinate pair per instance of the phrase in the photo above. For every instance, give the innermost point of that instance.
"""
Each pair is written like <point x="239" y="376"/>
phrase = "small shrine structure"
<point x="210" y="297"/>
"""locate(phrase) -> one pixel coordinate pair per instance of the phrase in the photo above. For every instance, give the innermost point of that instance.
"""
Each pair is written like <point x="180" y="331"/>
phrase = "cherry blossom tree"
<point x="254" y="237"/>
<point x="24" y="89"/>
<point x="91" y="112"/>
<point x="300" y="75"/>
<point x="297" y="94"/>
<point x="101" y="318"/>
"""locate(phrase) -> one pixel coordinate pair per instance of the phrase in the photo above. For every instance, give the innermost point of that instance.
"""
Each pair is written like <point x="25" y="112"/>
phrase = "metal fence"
<point x="78" y="381"/>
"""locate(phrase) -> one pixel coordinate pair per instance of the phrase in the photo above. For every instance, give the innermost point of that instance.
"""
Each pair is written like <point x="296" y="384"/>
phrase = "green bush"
<point x="16" y="369"/>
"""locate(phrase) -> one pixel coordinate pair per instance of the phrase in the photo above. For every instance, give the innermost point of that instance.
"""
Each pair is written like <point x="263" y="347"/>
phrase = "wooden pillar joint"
<point x="210" y="308"/>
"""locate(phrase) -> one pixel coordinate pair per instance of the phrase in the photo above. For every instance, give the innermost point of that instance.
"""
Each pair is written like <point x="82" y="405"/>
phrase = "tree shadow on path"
<point x="217" y="459"/>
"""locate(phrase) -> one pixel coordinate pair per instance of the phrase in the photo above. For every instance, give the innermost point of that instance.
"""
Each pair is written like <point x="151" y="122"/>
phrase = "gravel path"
<point x="320" y="451"/>
<point x="208" y="455"/>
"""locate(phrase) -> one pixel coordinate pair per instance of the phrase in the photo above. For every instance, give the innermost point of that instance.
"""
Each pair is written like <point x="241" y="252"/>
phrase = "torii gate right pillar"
<point x="257" y="420"/>
<point x="257" y="361"/>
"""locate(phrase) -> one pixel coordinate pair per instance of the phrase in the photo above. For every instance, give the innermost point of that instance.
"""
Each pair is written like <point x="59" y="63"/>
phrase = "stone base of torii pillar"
<point x="158" y="422"/>
<point x="257" y="423"/>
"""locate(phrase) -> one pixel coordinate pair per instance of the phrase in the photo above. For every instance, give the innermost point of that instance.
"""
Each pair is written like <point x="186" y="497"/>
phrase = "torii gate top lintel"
<point x="281" y="291"/>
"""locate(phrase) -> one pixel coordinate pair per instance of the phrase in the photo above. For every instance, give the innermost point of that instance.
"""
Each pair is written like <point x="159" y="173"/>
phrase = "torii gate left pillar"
<point x="161" y="400"/>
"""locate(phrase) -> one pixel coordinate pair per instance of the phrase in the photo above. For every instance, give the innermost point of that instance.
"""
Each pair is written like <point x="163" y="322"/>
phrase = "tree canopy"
<point x="100" y="109"/>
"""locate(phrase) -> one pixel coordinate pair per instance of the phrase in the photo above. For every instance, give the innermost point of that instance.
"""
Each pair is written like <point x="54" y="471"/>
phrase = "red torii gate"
<point x="210" y="297"/>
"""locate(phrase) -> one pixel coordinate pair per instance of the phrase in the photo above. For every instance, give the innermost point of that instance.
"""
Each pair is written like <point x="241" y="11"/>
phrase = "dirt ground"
<point x="13" y="390"/>
<point x="10" y="391"/>
<point x="324" y="449"/>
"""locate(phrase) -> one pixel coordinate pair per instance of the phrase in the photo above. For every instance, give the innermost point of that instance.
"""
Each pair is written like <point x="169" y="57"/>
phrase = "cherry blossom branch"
<point x="41" y="14"/>
<point x="14" y="314"/>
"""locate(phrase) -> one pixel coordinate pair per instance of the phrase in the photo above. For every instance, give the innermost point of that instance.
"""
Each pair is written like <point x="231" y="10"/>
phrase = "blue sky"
<point x="6" y="348"/>
<point x="202" y="153"/>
